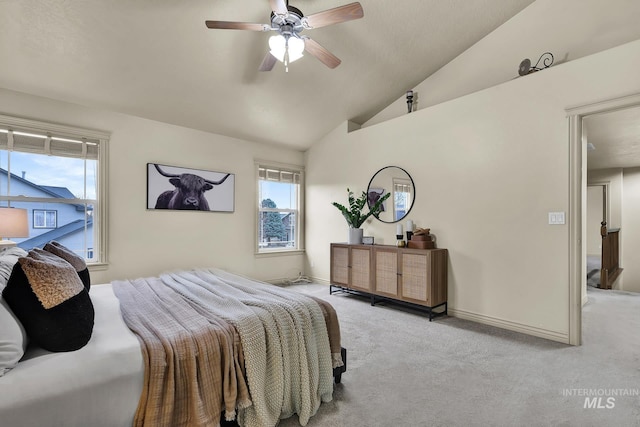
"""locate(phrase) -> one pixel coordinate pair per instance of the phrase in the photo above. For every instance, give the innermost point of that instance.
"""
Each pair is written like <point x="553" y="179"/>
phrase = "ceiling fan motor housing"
<point x="289" y="24"/>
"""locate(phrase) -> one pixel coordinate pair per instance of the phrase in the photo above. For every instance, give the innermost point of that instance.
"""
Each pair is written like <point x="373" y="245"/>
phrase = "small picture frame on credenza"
<point x="367" y="240"/>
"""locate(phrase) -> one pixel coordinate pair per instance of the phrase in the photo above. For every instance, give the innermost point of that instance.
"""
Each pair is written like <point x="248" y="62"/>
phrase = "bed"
<point x="110" y="381"/>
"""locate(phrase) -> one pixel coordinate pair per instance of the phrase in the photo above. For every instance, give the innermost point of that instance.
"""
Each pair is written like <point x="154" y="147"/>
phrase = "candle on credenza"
<point x="410" y="225"/>
<point x="399" y="230"/>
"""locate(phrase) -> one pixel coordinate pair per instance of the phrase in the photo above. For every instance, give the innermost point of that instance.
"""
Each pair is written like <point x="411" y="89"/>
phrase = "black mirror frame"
<point x="413" y="184"/>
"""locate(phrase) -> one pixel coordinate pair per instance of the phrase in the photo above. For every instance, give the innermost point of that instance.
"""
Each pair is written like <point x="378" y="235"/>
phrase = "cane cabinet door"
<point x="386" y="271"/>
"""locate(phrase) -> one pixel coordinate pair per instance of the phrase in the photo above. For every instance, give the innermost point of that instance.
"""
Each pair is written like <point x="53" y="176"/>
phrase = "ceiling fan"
<point x="288" y="45"/>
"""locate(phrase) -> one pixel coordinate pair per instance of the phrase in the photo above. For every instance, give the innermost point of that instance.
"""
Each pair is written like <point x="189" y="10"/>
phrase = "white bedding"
<point x="98" y="385"/>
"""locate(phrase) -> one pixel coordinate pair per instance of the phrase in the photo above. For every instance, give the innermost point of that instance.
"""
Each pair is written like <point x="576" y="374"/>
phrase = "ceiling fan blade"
<point x="268" y="62"/>
<point x="279" y="7"/>
<point x="323" y="55"/>
<point x="226" y="25"/>
<point x="336" y="15"/>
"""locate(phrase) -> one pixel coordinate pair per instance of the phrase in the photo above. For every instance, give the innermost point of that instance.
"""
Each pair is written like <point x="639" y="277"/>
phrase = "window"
<point x="58" y="173"/>
<point x="44" y="219"/>
<point x="279" y="208"/>
<point x="401" y="198"/>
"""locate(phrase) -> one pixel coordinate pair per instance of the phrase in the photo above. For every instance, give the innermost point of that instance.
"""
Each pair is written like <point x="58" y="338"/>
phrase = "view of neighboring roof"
<point x="57" y="192"/>
<point x="56" y="234"/>
<point x="43" y="188"/>
<point x="63" y="192"/>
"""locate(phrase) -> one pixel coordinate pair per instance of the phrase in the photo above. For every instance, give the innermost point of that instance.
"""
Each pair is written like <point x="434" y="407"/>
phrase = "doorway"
<point x="578" y="234"/>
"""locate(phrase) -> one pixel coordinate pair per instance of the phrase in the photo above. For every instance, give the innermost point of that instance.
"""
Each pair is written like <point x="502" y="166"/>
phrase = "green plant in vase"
<point x="355" y="216"/>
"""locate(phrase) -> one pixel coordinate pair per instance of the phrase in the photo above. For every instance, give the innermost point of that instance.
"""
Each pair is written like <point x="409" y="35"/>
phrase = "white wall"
<point x="613" y="179"/>
<point x="630" y="232"/>
<point x="488" y="168"/>
<point x="146" y="242"/>
<point x="569" y="29"/>
<point x="594" y="219"/>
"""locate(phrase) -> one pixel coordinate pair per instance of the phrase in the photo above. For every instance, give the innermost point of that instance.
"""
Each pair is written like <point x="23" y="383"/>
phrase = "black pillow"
<point x="46" y="294"/>
<point x="72" y="258"/>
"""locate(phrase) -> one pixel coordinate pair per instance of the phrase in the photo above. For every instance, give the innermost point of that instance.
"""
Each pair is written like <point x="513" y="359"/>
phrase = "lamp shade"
<point x="13" y="222"/>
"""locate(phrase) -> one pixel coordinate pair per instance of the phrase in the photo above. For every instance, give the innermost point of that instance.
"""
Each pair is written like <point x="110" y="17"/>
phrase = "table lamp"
<point x="13" y="223"/>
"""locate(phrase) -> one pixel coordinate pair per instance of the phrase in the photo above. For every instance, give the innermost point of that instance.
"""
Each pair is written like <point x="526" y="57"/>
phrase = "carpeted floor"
<point x="406" y="371"/>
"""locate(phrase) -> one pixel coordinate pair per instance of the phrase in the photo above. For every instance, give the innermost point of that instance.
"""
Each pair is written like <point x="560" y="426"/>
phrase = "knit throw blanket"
<point x="214" y="341"/>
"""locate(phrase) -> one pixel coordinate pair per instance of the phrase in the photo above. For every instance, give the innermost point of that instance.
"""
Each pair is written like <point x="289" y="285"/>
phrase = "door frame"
<point x="577" y="201"/>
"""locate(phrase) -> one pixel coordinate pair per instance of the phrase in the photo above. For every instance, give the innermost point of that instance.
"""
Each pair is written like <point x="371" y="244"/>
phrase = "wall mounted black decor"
<point x="526" y="68"/>
<point x="409" y="101"/>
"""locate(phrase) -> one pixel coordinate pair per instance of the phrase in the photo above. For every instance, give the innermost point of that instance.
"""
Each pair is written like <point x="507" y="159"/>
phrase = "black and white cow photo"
<point x="178" y="188"/>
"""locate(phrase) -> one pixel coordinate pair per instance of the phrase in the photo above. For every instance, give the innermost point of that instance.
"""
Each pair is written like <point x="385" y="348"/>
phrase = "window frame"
<point x="299" y="212"/>
<point x="101" y="138"/>
<point x="401" y="187"/>
<point x="44" y="212"/>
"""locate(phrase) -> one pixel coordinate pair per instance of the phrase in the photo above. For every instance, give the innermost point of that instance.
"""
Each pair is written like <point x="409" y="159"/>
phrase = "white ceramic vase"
<point x="355" y="236"/>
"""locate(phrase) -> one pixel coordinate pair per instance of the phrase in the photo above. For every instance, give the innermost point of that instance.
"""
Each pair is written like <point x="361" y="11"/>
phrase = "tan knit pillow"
<point x="52" y="279"/>
<point x="72" y="258"/>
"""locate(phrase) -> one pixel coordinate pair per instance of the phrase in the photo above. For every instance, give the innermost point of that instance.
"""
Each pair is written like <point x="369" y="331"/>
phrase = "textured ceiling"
<point x="616" y="139"/>
<point x="156" y="59"/>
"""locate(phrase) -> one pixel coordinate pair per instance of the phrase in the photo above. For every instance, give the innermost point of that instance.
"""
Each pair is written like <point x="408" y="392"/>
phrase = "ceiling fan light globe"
<point x="277" y="44"/>
<point x="296" y="48"/>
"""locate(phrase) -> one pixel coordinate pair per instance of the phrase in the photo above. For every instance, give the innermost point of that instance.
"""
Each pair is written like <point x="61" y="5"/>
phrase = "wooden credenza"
<point x="417" y="277"/>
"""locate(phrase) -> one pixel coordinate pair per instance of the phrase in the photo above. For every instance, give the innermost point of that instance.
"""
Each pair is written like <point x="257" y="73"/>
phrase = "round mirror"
<point x="397" y="181"/>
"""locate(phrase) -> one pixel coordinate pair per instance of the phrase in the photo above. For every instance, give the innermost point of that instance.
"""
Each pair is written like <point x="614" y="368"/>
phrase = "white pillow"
<point x="8" y="258"/>
<point x="13" y="338"/>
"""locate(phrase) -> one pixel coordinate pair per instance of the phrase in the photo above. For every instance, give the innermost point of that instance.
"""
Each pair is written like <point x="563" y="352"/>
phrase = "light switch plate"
<point x="556" y="218"/>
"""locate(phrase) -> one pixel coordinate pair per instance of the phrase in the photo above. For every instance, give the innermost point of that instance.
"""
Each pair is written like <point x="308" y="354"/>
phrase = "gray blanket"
<point x="287" y="354"/>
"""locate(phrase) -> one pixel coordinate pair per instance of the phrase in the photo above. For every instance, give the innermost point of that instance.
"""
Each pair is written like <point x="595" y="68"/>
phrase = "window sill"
<point x="274" y="253"/>
<point x="97" y="266"/>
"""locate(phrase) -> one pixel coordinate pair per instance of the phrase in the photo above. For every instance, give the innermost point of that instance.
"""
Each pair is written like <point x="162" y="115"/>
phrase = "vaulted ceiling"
<point x="156" y="59"/>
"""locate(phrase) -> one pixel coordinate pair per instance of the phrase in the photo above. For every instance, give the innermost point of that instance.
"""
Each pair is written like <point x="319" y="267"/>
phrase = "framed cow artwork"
<point x="178" y="188"/>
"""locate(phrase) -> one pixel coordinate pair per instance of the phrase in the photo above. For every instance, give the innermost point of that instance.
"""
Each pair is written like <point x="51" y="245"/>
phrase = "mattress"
<point x="98" y="385"/>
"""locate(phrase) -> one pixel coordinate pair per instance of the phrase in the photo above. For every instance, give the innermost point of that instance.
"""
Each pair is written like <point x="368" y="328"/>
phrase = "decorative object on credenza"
<point x="526" y="68"/>
<point x="367" y="240"/>
<point x="409" y="101"/>
<point x="178" y="188"/>
<point x="354" y="215"/>
<point x="422" y="239"/>
<point x="13" y="223"/>
<point x="422" y="231"/>
<point x="399" y="238"/>
<point x="409" y="229"/>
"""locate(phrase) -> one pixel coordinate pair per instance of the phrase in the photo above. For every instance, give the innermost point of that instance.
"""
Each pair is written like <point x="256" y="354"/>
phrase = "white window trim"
<point x="44" y="211"/>
<point x="300" y="235"/>
<point x="41" y="127"/>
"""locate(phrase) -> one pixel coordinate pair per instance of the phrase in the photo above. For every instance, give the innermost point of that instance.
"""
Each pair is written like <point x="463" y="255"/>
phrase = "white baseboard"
<point x="281" y="281"/>
<point x="319" y="280"/>
<point x="585" y="299"/>
<point x="509" y="325"/>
